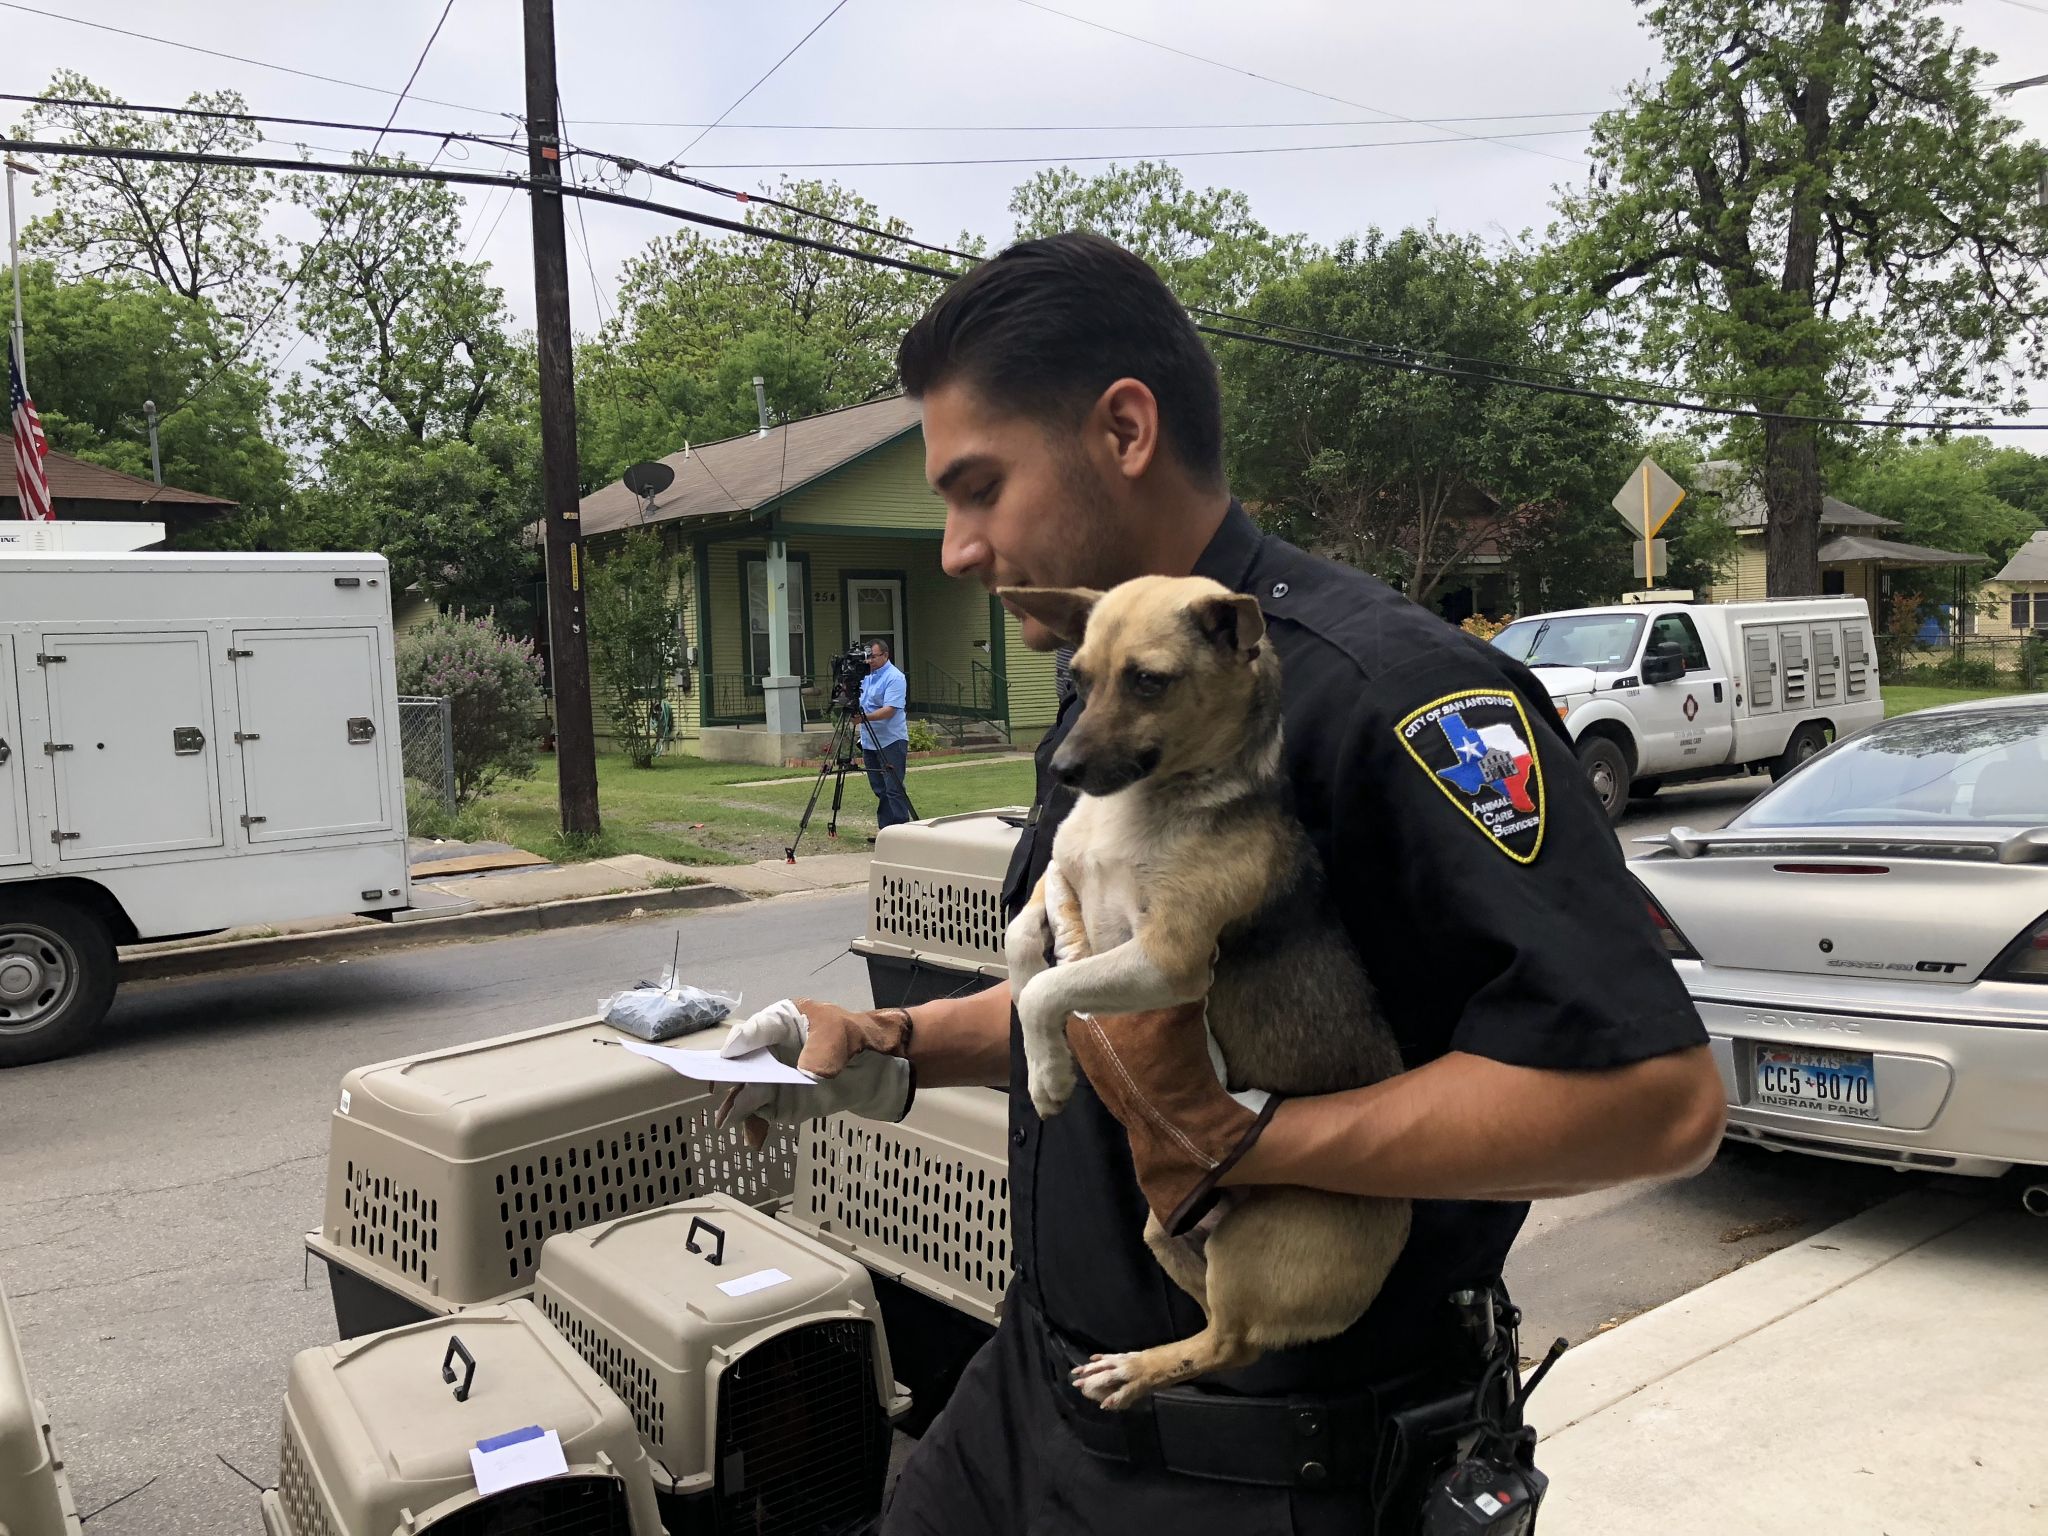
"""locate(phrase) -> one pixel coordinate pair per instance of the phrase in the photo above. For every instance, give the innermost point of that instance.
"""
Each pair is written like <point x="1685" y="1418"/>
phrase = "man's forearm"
<point x="1468" y="1128"/>
<point x="879" y="712"/>
<point x="963" y="1042"/>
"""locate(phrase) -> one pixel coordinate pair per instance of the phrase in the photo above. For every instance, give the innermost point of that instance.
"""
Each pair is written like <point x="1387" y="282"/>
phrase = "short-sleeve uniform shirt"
<point x="1471" y="865"/>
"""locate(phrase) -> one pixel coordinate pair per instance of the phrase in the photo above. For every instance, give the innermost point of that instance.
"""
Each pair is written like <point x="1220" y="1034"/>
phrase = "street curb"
<point x="1611" y="1367"/>
<point x="490" y="923"/>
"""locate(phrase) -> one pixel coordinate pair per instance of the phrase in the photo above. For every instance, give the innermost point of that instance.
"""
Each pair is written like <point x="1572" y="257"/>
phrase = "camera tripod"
<point x="846" y="720"/>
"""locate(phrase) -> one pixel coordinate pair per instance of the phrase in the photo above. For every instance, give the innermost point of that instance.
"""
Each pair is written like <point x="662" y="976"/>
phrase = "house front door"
<point x="874" y="611"/>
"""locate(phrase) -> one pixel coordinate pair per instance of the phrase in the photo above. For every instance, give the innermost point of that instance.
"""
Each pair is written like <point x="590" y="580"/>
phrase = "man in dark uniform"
<point x="1073" y="425"/>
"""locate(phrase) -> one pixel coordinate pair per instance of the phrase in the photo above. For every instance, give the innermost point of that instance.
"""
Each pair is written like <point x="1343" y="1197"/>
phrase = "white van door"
<point x="131" y="726"/>
<point x="1685" y="723"/>
<point x="13" y="765"/>
<point x="313" y="739"/>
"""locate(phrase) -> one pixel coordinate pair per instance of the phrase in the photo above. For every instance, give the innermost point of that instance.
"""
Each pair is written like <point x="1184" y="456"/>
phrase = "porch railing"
<point x="953" y="705"/>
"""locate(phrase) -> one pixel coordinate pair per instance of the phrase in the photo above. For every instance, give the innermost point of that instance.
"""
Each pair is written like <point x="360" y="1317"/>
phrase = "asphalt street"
<point x="153" y="1194"/>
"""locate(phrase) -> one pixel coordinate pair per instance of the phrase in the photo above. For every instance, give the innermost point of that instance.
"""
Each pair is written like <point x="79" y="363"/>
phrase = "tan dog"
<point x="1182" y="873"/>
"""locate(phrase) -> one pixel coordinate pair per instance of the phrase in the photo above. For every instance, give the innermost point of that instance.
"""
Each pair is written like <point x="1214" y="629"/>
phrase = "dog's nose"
<point x="1069" y="769"/>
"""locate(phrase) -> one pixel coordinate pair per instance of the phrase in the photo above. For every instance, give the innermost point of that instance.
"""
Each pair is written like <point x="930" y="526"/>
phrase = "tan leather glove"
<point x="858" y="1060"/>
<point x="1155" y="1072"/>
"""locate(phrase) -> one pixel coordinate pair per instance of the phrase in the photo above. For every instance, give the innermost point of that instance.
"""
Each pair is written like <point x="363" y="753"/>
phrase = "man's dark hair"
<point x="884" y="646"/>
<point x="1048" y="325"/>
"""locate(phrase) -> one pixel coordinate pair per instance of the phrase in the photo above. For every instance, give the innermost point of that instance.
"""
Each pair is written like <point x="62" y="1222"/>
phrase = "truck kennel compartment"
<point x="447" y="1171"/>
<point x="187" y="742"/>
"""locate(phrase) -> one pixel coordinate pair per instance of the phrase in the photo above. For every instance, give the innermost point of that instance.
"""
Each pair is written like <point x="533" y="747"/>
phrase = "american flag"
<point x="31" y="478"/>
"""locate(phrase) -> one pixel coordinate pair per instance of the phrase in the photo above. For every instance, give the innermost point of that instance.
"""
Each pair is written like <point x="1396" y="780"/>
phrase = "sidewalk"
<point x="1888" y="1377"/>
<point x="498" y="902"/>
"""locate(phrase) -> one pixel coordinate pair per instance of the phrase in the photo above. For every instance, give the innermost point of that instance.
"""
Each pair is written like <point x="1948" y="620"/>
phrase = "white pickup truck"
<point x="1653" y="693"/>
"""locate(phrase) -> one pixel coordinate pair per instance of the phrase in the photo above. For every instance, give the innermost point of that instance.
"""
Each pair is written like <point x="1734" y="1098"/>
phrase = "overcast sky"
<point x="960" y="79"/>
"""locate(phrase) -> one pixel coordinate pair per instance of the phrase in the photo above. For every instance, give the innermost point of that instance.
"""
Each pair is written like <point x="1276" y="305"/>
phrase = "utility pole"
<point x="568" y="649"/>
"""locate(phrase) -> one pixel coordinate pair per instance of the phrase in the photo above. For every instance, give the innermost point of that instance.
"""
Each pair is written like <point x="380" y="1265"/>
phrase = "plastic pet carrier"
<point x="925" y="1205"/>
<point x="35" y="1499"/>
<point x="446" y="1172"/>
<point x="935" y="907"/>
<point x="378" y="1433"/>
<point x="753" y="1360"/>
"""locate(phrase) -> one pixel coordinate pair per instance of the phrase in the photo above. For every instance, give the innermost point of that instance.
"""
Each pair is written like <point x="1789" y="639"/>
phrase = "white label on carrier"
<point x="759" y="1280"/>
<point x="344" y="1101"/>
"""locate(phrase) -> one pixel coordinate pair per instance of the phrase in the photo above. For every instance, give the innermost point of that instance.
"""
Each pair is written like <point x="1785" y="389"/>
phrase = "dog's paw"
<point x="1108" y="1381"/>
<point x="1052" y="1084"/>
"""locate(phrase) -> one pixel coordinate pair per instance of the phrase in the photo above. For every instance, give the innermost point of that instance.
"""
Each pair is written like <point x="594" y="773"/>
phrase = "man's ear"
<point x="1231" y="622"/>
<point x="1063" y="610"/>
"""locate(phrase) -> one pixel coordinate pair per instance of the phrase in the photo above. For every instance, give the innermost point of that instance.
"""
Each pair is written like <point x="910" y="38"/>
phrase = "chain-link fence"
<point x="426" y="736"/>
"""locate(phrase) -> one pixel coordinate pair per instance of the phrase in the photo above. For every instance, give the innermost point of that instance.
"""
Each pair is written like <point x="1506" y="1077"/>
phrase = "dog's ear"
<point x="1231" y="622"/>
<point x="1063" y="610"/>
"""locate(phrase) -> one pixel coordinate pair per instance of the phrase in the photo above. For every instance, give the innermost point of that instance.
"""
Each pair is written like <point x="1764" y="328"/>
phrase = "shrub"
<point x="922" y="737"/>
<point x="636" y="637"/>
<point x="493" y="684"/>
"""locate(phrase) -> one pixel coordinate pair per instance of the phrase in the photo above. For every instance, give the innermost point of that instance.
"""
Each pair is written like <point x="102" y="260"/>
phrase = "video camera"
<point x="848" y="668"/>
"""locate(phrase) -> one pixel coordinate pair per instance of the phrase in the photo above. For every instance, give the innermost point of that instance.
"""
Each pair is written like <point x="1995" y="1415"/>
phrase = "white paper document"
<point x="759" y="1280"/>
<point x="524" y="1456"/>
<point x="710" y="1067"/>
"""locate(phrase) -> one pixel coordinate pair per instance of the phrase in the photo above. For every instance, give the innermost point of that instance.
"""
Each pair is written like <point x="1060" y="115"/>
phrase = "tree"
<point x="492" y="683"/>
<point x="636" y="636"/>
<point x="100" y="347"/>
<point x="1405" y="474"/>
<point x="1206" y="244"/>
<point x="196" y="231"/>
<point x="414" y="341"/>
<point x="1816" y="198"/>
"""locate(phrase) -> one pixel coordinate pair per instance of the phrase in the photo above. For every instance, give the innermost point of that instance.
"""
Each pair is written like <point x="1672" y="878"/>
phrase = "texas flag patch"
<point x="1476" y="747"/>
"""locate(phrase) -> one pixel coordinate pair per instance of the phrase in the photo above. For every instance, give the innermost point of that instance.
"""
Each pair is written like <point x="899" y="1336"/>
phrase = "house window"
<point x="1833" y="583"/>
<point x="2020" y="600"/>
<point x="756" y="573"/>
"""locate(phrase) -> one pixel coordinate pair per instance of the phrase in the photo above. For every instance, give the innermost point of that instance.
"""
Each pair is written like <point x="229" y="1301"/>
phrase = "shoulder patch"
<point x="1476" y="746"/>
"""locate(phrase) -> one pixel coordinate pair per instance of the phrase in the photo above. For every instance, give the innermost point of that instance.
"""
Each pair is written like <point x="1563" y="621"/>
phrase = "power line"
<point x="1238" y="69"/>
<point x="837" y="6"/>
<point x="258" y="117"/>
<point x="283" y="69"/>
<point x="760" y="232"/>
<point x="2039" y="10"/>
<point x="306" y="261"/>
<point x="1318" y="122"/>
<point x="1164" y="154"/>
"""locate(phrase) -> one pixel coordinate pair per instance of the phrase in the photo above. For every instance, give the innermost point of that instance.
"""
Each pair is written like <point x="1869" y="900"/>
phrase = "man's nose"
<point x="962" y="552"/>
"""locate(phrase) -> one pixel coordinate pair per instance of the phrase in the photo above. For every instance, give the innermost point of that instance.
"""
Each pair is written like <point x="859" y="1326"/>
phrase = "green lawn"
<point x="1903" y="699"/>
<point x="689" y="810"/>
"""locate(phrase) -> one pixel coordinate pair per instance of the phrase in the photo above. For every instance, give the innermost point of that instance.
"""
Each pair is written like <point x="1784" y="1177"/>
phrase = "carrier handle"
<point x="698" y="1223"/>
<point x="455" y="1349"/>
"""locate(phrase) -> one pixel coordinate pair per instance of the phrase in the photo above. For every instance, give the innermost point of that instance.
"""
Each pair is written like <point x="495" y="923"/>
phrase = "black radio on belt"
<point x="1494" y="1487"/>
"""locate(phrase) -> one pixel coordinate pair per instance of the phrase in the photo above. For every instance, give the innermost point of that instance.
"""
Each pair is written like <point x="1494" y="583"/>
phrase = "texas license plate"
<point x="1841" y="1084"/>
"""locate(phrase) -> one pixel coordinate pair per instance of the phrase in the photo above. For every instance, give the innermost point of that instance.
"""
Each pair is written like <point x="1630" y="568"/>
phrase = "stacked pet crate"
<point x="753" y="1360"/>
<point x="935" y="907"/>
<point x="35" y="1498"/>
<point x="448" y="1171"/>
<point x="924" y="1204"/>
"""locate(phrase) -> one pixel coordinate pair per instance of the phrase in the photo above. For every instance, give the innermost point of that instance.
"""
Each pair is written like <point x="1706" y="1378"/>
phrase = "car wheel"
<point x="1808" y="741"/>
<point x="56" y="978"/>
<point x="1645" y="787"/>
<point x="1607" y="770"/>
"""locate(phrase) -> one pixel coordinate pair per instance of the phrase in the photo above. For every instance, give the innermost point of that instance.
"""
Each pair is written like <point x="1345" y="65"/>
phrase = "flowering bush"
<point x="1485" y="628"/>
<point x="493" y="684"/>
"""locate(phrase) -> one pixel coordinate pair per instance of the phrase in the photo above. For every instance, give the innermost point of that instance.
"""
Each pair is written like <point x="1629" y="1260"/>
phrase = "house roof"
<point x="745" y="474"/>
<point x="1742" y="501"/>
<point x="76" y="480"/>
<point x="2029" y="562"/>
<point x="1848" y="548"/>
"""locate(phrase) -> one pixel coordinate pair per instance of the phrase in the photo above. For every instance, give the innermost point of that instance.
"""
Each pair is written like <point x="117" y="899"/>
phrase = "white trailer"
<point x="187" y="743"/>
<point x="1657" y="693"/>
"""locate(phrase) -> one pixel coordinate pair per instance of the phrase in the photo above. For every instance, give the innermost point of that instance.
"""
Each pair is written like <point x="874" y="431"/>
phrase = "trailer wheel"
<point x="1808" y="741"/>
<point x="56" y="978"/>
<point x="1606" y="768"/>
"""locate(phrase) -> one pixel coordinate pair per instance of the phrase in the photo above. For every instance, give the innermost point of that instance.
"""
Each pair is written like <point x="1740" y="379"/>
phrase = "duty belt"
<point x="1369" y="1437"/>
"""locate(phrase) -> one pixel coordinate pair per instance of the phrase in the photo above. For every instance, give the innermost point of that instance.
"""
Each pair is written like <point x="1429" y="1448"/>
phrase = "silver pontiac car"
<point x="1868" y="945"/>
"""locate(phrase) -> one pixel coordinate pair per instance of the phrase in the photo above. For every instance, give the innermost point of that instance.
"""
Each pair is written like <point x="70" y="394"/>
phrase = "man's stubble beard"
<point x="1094" y="553"/>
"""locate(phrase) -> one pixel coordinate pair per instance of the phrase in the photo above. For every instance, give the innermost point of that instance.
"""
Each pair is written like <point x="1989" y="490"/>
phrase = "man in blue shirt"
<point x="885" y="735"/>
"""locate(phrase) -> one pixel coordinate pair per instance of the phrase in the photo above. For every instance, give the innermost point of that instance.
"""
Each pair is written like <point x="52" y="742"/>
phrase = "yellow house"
<point x="1853" y="555"/>
<point x="2015" y="601"/>
<point x="806" y="539"/>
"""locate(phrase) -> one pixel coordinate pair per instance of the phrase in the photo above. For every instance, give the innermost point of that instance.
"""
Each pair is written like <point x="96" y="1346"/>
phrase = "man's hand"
<point x="857" y="1059"/>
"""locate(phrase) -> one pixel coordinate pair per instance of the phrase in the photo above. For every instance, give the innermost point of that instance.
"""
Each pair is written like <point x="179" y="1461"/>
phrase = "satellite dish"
<point x="650" y="479"/>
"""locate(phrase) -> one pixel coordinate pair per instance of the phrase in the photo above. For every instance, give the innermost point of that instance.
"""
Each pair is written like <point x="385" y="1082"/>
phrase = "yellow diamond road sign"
<point x="1649" y="498"/>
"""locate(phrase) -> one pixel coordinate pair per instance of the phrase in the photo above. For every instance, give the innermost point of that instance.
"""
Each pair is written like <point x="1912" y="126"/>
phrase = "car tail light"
<point x="2026" y="958"/>
<point x="1675" y="943"/>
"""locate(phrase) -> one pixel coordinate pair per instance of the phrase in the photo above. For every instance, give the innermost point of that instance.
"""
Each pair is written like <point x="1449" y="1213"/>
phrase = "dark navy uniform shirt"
<point x="1480" y="880"/>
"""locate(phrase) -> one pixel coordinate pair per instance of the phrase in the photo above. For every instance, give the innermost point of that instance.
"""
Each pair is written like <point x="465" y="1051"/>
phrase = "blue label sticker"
<point x="510" y="1437"/>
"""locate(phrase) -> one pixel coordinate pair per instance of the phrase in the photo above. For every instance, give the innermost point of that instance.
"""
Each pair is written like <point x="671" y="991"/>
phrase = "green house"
<point x="804" y="540"/>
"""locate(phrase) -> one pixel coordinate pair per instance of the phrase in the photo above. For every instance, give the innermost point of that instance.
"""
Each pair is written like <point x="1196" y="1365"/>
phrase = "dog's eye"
<point x="1146" y="685"/>
<point x="1081" y="681"/>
